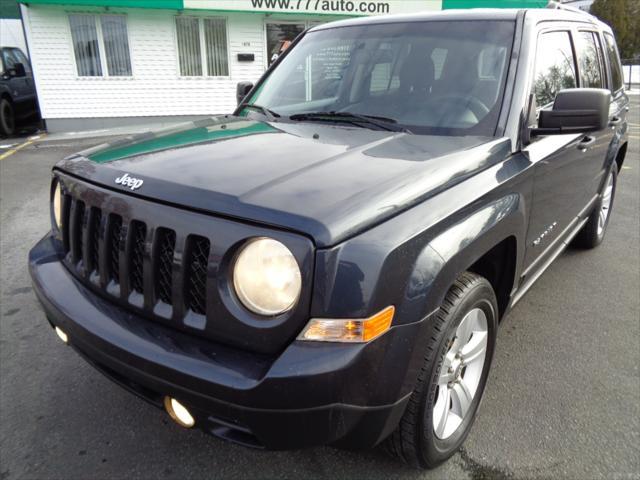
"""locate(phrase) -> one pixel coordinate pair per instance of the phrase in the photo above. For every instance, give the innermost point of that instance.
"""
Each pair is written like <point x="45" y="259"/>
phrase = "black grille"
<point x="198" y="260"/>
<point x="166" y="245"/>
<point x="115" y="237"/>
<point x="138" y="237"/>
<point x="112" y="253"/>
<point x="94" y="239"/>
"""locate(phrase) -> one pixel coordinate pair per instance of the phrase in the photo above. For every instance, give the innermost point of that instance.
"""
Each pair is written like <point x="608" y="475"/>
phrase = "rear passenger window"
<point x="589" y="61"/>
<point x="614" y="61"/>
<point x="555" y="69"/>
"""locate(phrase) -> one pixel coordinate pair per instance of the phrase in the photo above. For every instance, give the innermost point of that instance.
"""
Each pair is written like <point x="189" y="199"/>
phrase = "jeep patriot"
<point x="330" y="263"/>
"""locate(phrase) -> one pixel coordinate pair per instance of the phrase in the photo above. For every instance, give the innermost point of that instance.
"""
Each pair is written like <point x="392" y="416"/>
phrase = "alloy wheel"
<point x="461" y="373"/>
<point x="605" y="206"/>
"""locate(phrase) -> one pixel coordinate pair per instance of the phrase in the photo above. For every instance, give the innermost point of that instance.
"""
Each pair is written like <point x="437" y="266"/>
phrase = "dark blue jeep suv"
<point x="330" y="264"/>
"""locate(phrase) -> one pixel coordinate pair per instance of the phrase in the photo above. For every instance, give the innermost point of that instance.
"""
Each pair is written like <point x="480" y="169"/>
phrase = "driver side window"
<point x="555" y="67"/>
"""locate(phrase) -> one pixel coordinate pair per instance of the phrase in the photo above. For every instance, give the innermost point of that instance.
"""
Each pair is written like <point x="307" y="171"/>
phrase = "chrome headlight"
<point x="57" y="205"/>
<point x="266" y="277"/>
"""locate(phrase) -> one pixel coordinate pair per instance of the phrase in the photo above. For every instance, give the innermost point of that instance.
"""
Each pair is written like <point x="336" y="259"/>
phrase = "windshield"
<point x="437" y="77"/>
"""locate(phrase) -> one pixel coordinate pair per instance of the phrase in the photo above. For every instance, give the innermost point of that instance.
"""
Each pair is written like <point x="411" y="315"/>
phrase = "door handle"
<point x="586" y="142"/>
<point x="613" y="121"/>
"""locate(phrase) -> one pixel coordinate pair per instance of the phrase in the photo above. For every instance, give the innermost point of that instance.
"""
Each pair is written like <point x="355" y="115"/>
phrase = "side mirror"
<point x="17" y="70"/>
<point x="242" y="90"/>
<point x="575" y="110"/>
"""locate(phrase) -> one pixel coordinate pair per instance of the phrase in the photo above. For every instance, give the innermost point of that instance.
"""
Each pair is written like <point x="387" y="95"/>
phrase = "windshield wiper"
<point x="270" y="114"/>
<point x="383" y="123"/>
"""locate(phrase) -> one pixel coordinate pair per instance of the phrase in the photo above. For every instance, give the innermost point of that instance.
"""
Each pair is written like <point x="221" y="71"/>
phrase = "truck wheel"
<point x="594" y="230"/>
<point x="458" y="356"/>
<point x="7" y="120"/>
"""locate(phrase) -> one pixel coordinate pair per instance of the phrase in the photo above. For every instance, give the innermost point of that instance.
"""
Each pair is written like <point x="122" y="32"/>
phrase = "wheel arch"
<point x="620" y="155"/>
<point x="488" y="243"/>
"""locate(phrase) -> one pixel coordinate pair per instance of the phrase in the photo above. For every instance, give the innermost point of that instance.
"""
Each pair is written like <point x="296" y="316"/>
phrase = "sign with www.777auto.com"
<point x="318" y="7"/>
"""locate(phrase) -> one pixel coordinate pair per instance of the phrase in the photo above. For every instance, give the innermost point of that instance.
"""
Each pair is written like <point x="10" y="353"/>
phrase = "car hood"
<point x="327" y="181"/>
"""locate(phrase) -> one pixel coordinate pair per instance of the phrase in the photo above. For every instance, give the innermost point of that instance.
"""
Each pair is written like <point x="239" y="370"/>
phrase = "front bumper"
<point x="310" y="394"/>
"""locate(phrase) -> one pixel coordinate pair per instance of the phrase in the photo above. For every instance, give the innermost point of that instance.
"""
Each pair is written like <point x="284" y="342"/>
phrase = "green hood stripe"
<point x="180" y="139"/>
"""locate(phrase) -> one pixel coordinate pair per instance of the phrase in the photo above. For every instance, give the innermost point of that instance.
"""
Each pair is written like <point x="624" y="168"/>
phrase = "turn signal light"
<point x="348" y="330"/>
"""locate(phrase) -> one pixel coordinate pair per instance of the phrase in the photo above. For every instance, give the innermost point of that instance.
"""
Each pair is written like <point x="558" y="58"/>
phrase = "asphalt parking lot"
<point x="563" y="398"/>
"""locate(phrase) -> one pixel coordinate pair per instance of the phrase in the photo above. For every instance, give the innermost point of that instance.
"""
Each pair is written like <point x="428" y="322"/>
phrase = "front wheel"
<point x="594" y="230"/>
<point x="450" y="385"/>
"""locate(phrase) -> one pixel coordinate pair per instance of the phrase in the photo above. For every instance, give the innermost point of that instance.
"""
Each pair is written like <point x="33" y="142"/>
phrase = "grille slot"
<point x="76" y="231"/>
<point x="196" y="272"/>
<point x="136" y="260"/>
<point x="165" y="249"/>
<point x="66" y="216"/>
<point x="94" y="239"/>
<point x="114" y="247"/>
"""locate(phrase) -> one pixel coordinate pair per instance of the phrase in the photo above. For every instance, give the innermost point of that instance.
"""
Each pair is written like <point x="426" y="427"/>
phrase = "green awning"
<point x="232" y="6"/>
<point x="9" y="9"/>
<point x="157" y="4"/>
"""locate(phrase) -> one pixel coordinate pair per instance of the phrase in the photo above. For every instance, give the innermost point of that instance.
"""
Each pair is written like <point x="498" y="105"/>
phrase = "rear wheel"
<point x="452" y="379"/>
<point x="594" y="230"/>
<point x="7" y="119"/>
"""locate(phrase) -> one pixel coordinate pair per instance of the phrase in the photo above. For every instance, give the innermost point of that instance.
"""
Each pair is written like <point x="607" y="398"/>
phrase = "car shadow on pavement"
<point x="136" y="437"/>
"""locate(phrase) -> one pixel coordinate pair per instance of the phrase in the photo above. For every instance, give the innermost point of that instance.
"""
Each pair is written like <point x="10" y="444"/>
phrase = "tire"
<point x="7" y="118"/>
<point x="415" y="440"/>
<point x="592" y="234"/>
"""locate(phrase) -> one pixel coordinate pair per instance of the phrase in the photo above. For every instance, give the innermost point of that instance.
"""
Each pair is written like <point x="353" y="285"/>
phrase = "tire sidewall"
<point x="434" y="449"/>
<point x="612" y="171"/>
<point x="7" y="126"/>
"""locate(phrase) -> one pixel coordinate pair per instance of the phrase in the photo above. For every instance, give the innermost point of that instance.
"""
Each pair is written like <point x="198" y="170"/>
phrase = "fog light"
<point x="178" y="412"/>
<point x="62" y="335"/>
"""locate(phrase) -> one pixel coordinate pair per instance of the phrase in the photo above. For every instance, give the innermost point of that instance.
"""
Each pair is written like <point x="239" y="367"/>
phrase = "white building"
<point x="101" y="63"/>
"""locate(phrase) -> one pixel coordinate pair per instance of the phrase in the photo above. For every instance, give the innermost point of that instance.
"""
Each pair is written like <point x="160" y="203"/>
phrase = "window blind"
<point x="116" y="45"/>
<point x="215" y="30"/>
<point x="85" y="45"/>
<point x="189" y="52"/>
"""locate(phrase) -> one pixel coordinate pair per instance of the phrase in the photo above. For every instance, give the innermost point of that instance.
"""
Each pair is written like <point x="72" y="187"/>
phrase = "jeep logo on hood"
<point x="127" y="181"/>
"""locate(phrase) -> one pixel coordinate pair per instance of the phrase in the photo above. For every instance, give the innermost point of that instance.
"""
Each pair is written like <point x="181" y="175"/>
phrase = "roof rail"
<point x="560" y="6"/>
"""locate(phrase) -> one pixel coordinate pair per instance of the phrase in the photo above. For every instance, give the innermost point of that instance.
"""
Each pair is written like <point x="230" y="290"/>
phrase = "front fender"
<point x="414" y="277"/>
<point x="370" y="272"/>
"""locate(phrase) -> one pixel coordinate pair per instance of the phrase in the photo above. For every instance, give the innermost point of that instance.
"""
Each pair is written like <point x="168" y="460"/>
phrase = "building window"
<point x="100" y="44"/>
<point x="202" y="46"/>
<point x="116" y="45"/>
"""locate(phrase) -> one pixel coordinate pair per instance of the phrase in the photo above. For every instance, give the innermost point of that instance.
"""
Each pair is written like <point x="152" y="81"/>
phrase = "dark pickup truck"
<point x="330" y="263"/>
<point x="18" y="99"/>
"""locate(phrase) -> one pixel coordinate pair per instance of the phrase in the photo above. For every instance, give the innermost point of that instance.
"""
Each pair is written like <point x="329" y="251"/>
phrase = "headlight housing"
<point x="56" y="203"/>
<point x="266" y="277"/>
